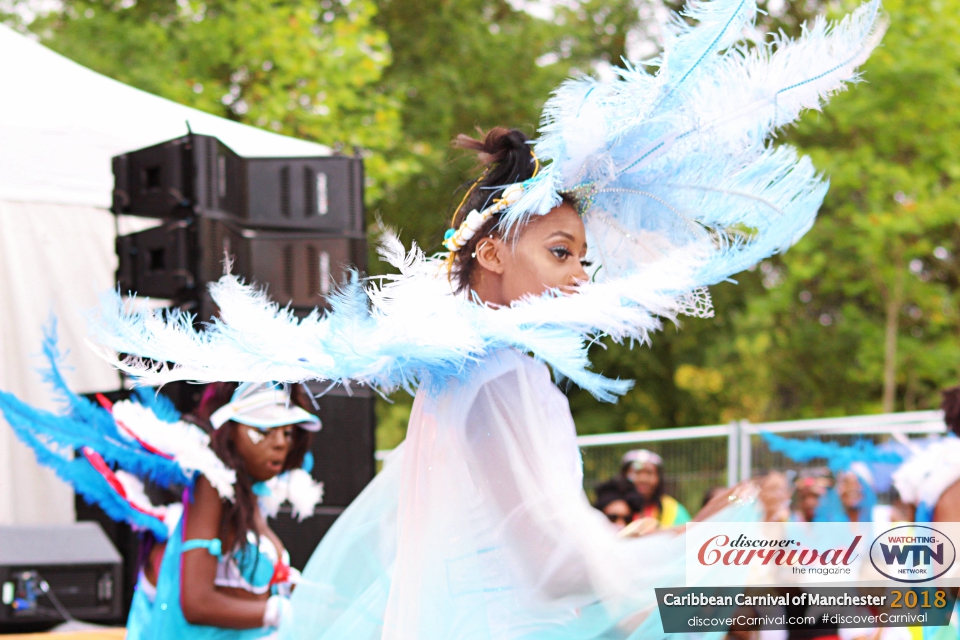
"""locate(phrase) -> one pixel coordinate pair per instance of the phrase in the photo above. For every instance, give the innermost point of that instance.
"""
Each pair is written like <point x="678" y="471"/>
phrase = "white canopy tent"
<point x="60" y="123"/>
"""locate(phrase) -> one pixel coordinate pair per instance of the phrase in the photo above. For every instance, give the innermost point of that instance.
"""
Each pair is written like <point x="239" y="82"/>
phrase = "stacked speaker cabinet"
<point x="199" y="174"/>
<point x="292" y="226"/>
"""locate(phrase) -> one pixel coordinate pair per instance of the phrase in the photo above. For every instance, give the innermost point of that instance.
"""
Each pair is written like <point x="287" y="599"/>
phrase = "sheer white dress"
<point x="478" y="527"/>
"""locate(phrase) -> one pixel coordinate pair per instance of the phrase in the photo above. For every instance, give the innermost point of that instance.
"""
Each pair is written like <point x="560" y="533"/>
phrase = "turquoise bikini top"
<point x="252" y="567"/>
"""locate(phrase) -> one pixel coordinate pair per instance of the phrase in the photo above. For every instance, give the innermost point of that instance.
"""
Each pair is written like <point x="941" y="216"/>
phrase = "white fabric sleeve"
<point x="516" y="449"/>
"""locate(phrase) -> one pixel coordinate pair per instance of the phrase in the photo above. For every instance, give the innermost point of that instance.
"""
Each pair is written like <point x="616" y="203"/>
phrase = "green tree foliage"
<point x="861" y="315"/>
<point x="461" y="66"/>
<point x="865" y="315"/>
<point x="302" y="68"/>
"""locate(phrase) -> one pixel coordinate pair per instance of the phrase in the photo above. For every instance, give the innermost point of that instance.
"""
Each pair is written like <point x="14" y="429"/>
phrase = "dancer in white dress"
<point x="638" y="194"/>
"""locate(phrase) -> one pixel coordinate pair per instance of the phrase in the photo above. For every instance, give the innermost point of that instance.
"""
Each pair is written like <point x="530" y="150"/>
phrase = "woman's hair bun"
<point x="497" y="146"/>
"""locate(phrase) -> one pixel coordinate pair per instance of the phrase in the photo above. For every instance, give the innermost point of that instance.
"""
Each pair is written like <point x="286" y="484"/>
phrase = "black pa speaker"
<point x="159" y="262"/>
<point x="343" y="460"/>
<point x="299" y="269"/>
<point x="199" y="175"/>
<point x="46" y="567"/>
<point x="177" y="259"/>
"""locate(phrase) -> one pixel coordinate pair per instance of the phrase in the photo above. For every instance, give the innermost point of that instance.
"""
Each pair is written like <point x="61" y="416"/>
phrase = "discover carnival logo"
<point x="730" y="553"/>
<point x="743" y="550"/>
<point x="726" y="553"/>
<point x="912" y="553"/>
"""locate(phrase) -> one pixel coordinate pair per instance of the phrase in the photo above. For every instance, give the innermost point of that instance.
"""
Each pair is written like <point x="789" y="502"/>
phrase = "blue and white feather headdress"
<point x="679" y="188"/>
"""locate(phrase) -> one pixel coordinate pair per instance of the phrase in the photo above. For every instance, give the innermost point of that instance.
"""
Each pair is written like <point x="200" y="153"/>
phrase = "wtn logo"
<point x="922" y="553"/>
<point x="912" y="553"/>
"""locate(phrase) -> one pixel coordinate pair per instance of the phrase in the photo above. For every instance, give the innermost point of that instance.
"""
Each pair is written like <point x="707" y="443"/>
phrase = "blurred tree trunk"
<point x="894" y="305"/>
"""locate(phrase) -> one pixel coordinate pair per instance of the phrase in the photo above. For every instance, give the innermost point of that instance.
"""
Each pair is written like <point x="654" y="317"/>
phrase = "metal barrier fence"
<point x="697" y="459"/>
<point x="694" y="458"/>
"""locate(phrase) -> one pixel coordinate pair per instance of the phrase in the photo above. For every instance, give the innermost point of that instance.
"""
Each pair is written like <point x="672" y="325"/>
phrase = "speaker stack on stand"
<point x="291" y="226"/>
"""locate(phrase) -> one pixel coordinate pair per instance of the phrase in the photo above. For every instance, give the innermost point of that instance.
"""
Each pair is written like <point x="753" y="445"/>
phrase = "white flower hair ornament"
<point x="678" y="185"/>
<point x="455" y="239"/>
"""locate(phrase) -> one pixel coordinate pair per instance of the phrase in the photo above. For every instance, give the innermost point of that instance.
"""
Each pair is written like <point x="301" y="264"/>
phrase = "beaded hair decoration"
<point x="455" y="238"/>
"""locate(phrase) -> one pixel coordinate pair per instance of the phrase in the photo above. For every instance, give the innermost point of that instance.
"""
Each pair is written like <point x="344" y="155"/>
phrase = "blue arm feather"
<point x="838" y="457"/>
<point x="68" y="433"/>
<point x="85" y="424"/>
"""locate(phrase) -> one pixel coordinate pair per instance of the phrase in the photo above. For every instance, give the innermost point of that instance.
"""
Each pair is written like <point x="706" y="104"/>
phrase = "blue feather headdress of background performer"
<point x="679" y="188"/>
<point x="861" y="458"/>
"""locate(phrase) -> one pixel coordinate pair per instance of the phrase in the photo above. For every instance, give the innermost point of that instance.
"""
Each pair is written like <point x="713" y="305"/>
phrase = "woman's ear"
<point x="489" y="254"/>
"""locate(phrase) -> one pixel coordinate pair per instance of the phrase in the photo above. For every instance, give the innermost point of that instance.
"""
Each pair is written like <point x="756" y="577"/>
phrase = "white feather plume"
<point x="296" y="487"/>
<point x="187" y="444"/>
<point x="137" y="495"/>
<point x="923" y="477"/>
<point x="403" y="329"/>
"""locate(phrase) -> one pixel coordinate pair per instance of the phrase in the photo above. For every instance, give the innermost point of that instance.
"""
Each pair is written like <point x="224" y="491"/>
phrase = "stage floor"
<point x="104" y="634"/>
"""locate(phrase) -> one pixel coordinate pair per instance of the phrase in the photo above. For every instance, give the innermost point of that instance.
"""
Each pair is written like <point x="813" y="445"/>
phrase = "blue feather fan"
<point x="55" y="439"/>
<point x="838" y="457"/>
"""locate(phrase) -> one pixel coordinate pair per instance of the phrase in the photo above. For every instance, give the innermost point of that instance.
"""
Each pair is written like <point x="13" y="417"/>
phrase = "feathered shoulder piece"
<point x="678" y="185"/>
<point x="118" y="446"/>
<point x="296" y="487"/>
<point x="930" y="469"/>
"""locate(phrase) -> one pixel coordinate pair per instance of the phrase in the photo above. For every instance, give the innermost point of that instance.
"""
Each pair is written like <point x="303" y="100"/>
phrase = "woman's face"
<point x="807" y="502"/>
<point x="547" y="255"/>
<point x="619" y="513"/>
<point x="645" y="479"/>
<point x="849" y="490"/>
<point x="775" y="496"/>
<point x="263" y="450"/>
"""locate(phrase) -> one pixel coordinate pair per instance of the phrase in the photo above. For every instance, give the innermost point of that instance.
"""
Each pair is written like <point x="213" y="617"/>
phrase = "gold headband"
<point x="456" y="238"/>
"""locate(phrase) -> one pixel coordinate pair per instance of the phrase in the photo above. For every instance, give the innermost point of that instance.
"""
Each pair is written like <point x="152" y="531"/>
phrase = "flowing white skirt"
<point x="478" y="528"/>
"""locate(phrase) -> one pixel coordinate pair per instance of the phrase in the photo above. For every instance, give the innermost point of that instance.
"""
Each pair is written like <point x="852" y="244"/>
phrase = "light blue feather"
<point x="684" y="153"/>
<point x="832" y="509"/>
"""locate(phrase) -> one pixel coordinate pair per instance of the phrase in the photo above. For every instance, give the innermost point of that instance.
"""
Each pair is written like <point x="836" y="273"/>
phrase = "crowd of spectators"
<point x="635" y="503"/>
<point x="636" y="496"/>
